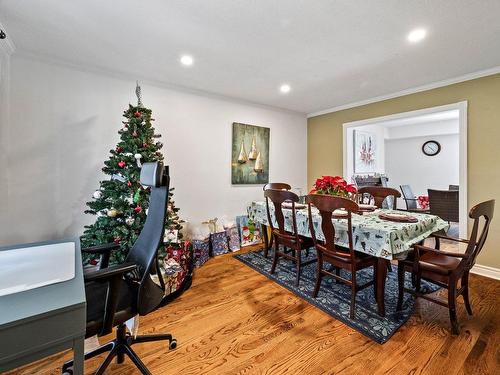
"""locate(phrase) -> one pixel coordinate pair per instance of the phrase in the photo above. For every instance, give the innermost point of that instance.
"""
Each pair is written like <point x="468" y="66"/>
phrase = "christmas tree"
<point x="121" y="202"/>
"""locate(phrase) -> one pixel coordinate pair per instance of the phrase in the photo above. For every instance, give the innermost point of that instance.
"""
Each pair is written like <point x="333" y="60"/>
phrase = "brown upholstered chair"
<point x="380" y="193"/>
<point x="338" y="257"/>
<point x="444" y="203"/>
<point x="447" y="268"/>
<point x="268" y="242"/>
<point x="288" y="240"/>
<point x="411" y="200"/>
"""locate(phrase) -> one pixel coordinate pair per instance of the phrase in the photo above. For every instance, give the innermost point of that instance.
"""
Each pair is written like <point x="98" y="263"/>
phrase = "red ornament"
<point x="144" y="145"/>
<point x="129" y="184"/>
<point x="137" y="114"/>
<point x="121" y="164"/>
<point x="118" y="149"/>
<point x="134" y="134"/>
<point x="138" y="209"/>
<point x="117" y="240"/>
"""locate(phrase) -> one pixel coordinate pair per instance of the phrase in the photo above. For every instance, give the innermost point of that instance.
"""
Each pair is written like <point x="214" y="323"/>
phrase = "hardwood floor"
<point x="233" y="320"/>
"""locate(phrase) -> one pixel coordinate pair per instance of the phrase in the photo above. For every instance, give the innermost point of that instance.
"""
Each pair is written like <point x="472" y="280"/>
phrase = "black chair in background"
<point x="118" y="293"/>
<point x="268" y="242"/>
<point x="411" y="200"/>
<point x="444" y="203"/>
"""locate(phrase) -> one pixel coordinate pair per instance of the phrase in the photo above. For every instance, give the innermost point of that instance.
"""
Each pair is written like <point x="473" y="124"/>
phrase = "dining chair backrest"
<point x="482" y="214"/>
<point x="277" y="197"/>
<point x="444" y="203"/>
<point x="277" y="186"/>
<point x="453" y="187"/>
<point x="326" y="205"/>
<point x="409" y="197"/>
<point x="380" y="193"/>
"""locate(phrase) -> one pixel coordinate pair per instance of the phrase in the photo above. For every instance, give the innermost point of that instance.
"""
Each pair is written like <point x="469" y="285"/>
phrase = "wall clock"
<point x="431" y="148"/>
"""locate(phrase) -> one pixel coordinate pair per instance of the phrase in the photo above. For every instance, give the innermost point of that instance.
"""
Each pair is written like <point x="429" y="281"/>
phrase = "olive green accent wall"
<point x="324" y="141"/>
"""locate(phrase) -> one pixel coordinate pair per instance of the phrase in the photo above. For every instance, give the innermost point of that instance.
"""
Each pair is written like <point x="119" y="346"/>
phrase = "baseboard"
<point x="493" y="273"/>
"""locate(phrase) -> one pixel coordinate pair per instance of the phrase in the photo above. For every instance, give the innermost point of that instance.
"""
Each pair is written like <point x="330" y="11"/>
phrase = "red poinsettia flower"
<point x="333" y="185"/>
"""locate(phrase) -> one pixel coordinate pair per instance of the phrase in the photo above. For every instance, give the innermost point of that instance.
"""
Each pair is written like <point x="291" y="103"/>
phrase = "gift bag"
<point x="201" y="251"/>
<point x="219" y="243"/>
<point x="249" y="231"/>
<point x="232" y="233"/>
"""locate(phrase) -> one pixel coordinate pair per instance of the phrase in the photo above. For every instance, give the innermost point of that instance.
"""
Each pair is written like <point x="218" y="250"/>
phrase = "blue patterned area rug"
<point x="335" y="298"/>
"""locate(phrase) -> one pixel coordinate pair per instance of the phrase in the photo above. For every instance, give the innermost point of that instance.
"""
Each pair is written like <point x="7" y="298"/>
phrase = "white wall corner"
<point x="486" y="271"/>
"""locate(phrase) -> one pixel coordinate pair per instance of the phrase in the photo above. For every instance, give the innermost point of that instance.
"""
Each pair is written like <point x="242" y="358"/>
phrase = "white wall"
<point x="405" y="163"/>
<point x="64" y="122"/>
<point x="380" y="154"/>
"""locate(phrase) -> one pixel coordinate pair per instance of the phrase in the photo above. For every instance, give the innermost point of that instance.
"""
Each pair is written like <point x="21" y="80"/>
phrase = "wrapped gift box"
<point x="249" y="231"/>
<point x="219" y="243"/>
<point x="183" y="256"/>
<point x="201" y="251"/>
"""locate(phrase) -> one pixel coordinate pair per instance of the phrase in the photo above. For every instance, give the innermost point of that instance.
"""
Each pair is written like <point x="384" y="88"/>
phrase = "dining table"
<point x="372" y="233"/>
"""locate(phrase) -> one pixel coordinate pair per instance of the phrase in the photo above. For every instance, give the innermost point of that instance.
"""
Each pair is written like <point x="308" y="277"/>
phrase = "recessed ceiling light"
<point x="417" y="35"/>
<point x="187" y="60"/>
<point x="285" y="88"/>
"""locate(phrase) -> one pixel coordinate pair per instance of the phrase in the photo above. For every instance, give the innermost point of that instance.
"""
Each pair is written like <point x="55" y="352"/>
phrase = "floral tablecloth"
<point x="371" y="234"/>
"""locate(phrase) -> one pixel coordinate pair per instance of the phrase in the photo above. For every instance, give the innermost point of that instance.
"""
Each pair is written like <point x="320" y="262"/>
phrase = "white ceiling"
<point x="330" y="52"/>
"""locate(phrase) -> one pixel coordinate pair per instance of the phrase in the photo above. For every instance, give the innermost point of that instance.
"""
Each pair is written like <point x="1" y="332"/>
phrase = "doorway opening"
<point x="424" y="149"/>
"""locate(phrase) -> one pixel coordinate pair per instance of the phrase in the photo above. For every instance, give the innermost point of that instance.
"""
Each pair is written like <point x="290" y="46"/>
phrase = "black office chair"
<point x="117" y="293"/>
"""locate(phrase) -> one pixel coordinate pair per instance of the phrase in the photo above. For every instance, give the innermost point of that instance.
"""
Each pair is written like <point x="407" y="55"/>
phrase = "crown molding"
<point x="430" y="86"/>
<point x="121" y="75"/>
<point x="7" y="46"/>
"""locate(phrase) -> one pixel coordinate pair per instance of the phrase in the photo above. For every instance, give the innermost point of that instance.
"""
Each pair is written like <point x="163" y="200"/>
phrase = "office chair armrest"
<point x="104" y="251"/>
<point x="419" y="248"/>
<point x="109" y="272"/>
<point x="113" y="277"/>
<point x="99" y="249"/>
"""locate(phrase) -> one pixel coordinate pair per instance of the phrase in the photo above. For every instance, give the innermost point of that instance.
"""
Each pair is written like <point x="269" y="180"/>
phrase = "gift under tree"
<point x="121" y="202"/>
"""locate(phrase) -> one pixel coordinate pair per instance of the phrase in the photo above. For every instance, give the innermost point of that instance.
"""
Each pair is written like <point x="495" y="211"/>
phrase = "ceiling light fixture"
<point x="285" y="88"/>
<point x="187" y="60"/>
<point x="417" y="35"/>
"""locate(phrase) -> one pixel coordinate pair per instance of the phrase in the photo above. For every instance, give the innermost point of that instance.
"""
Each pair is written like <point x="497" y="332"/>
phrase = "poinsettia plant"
<point x="333" y="185"/>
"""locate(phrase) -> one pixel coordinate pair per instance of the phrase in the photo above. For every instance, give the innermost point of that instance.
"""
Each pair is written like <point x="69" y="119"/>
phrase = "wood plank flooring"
<point x="233" y="320"/>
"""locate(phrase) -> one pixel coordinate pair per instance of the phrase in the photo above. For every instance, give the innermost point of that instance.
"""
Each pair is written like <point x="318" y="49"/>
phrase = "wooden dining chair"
<point x="379" y="194"/>
<point x="338" y="257"/>
<point x="288" y="240"/>
<point x="445" y="268"/>
<point x="268" y="242"/>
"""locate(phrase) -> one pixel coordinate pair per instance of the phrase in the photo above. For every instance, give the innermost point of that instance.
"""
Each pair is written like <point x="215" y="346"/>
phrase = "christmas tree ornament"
<point x="159" y="144"/>
<point x="118" y="149"/>
<point x="134" y="134"/>
<point x="121" y="164"/>
<point x="138" y="94"/>
<point x="97" y="194"/>
<point x="137" y="195"/>
<point x="129" y="200"/>
<point x="138" y="209"/>
<point x="138" y="159"/>
<point x="129" y="220"/>
<point x="112" y="212"/>
<point x="129" y="184"/>
<point x="137" y="114"/>
<point x="144" y="145"/>
<point x="117" y="240"/>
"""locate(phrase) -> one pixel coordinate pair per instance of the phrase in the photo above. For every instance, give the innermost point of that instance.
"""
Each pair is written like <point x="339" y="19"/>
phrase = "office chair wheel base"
<point x="173" y="344"/>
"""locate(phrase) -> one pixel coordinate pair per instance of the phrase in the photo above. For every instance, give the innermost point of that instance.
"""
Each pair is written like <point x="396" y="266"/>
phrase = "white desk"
<point x="42" y="303"/>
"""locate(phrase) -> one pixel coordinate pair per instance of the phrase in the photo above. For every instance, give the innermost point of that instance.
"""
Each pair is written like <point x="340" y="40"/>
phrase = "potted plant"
<point x="334" y="185"/>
